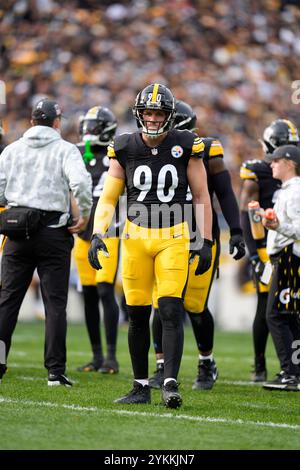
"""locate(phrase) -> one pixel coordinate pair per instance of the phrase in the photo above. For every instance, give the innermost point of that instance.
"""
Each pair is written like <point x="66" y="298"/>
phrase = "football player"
<point x="198" y="287"/>
<point x="259" y="185"/>
<point x="97" y="128"/>
<point x="156" y="165"/>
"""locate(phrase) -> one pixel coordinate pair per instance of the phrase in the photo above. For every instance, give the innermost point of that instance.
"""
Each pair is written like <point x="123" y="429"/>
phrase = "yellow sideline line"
<point x="144" y="414"/>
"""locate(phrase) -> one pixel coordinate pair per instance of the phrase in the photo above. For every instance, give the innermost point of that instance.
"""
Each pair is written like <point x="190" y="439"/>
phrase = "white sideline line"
<point x="225" y="382"/>
<point x="48" y="404"/>
<point x="200" y="419"/>
<point x="260" y="406"/>
<point x="30" y="379"/>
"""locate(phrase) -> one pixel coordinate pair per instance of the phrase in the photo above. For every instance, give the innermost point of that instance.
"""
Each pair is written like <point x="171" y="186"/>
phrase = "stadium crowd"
<point x="233" y="61"/>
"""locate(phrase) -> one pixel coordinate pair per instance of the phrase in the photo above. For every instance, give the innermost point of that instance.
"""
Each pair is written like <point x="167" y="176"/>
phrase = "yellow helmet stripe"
<point x="292" y="127"/>
<point x="154" y="94"/>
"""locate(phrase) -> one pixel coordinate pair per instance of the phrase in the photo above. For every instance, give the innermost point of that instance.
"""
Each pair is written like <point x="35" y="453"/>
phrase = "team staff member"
<point x="283" y="247"/>
<point x="2" y="143"/>
<point x="198" y="287"/>
<point x="37" y="173"/>
<point x="156" y="165"/>
<point x="98" y="127"/>
<point x="259" y="185"/>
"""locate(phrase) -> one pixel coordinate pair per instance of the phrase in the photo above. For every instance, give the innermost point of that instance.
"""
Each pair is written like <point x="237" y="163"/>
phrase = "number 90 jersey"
<point x="156" y="177"/>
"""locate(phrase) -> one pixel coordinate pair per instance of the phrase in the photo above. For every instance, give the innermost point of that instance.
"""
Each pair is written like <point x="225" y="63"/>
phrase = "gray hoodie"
<point x="40" y="169"/>
<point x="287" y="209"/>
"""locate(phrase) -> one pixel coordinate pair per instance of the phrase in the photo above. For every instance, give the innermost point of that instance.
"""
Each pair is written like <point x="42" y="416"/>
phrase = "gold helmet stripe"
<point x="292" y="127"/>
<point x="154" y="94"/>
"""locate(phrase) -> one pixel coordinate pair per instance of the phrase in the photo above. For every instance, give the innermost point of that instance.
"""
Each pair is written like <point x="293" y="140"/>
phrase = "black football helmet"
<point x="155" y="96"/>
<point x="279" y="132"/>
<point x="98" y="126"/>
<point x="185" y="118"/>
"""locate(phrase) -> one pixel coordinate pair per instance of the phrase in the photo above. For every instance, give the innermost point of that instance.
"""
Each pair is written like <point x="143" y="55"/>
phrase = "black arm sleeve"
<point x="226" y="197"/>
<point x="250" y="242"/>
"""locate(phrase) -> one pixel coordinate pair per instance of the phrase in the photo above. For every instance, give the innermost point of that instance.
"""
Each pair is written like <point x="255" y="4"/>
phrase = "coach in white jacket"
<point x="39" y="171"/>
<point x="283" y="247"/>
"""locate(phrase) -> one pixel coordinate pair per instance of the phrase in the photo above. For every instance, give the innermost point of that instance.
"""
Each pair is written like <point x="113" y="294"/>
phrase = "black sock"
<point x="171" y="315"/>
<point x="123" y="308"/>
<point x="92" y="318"/>
<point x="110" y="315"/>
<point x="203" y="327"/>
<point x="260" y="331"/>
<point x="157" y="332"/>
<point x="139" y="339"/>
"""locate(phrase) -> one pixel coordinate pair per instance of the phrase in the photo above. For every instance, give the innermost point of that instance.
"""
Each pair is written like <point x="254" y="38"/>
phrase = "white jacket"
<point x="40" y="169"/>
<point x="287" y="208"/>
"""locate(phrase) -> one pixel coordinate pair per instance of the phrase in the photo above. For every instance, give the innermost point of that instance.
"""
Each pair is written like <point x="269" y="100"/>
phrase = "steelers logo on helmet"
<point x="157" y="97"/>
<point x="98" y="126"/>
<point x="176" y="151"/>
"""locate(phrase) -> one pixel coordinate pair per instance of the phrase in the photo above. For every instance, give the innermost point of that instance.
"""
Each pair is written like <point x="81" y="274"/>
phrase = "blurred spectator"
<point x="233" y="61"/>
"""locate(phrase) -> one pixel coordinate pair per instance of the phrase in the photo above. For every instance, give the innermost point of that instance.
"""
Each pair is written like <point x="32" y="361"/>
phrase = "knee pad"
<point x="171" y="310"/>
<point x="105" y="289"/>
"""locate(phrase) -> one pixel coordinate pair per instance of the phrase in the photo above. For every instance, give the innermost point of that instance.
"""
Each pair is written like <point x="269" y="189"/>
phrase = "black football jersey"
<point x="98" y="169"/>
<point x="156" y="178"/>
<point x="261" y="172"/>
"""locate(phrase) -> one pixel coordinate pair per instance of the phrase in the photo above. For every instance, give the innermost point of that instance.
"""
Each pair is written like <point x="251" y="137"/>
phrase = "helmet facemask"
<point x="98" y="132"/>
<point x="98" y="126"/>
<point x="155" y="97"/>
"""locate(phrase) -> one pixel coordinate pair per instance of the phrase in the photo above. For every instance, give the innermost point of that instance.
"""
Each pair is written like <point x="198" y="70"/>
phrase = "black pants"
<point x="49" y="251"/>
<point x="282" y="311"/>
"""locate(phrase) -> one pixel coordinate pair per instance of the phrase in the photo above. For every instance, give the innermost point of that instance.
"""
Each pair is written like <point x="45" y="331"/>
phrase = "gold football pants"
<point x="89" y="276"/>
<point x="149" y="255"/>
<point x="198" y="287"/>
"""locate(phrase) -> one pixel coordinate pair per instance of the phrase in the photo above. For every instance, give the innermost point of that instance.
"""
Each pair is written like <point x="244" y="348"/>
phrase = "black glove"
<point x="237" y="241"/>
<point x="205" y="257"/>
<point x="97" y="244"/>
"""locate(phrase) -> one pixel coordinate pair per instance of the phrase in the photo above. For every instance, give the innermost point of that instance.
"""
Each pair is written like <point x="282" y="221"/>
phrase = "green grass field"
<point x="234" y="415"/>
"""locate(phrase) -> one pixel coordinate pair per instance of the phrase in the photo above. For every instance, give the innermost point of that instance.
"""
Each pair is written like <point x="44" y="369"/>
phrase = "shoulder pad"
<point x="213" y="147"/>
<point x="189" y="140"/>
<point x="249" y="169"/>
<point x="184" y="137"/>
<point x="198" y="147"/>
<point x="119" y="143"/>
